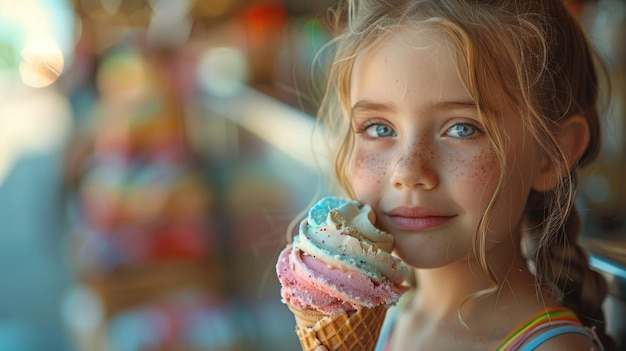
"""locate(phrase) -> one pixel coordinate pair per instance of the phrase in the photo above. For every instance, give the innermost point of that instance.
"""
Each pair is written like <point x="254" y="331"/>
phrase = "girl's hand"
<point x="321" y="348"/>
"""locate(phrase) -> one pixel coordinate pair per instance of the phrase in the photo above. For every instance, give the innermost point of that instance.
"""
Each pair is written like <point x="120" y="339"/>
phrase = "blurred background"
<point x="154" y="152"/>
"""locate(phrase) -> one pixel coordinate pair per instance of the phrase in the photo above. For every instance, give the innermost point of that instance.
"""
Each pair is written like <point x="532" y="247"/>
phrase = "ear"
<point x="573" y="138"/>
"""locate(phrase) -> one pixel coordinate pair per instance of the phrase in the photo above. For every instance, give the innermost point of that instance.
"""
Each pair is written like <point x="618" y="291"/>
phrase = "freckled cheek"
<point x="367" y="171"/>
<point x="477" y="177"/>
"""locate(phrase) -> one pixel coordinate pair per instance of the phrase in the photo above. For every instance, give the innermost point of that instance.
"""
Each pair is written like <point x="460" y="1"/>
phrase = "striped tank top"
<point x="543" y="326"/>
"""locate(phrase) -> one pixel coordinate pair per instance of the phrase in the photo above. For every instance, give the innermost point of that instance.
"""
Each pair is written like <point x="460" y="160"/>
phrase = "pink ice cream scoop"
<point x="339" y="261"/>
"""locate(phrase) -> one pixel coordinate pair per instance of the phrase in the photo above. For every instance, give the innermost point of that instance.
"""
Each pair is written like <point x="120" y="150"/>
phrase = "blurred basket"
<point x="128" y="287"/>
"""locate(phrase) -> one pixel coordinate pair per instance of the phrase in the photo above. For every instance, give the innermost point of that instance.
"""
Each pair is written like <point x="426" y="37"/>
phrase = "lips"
<point x="418" y="218"/>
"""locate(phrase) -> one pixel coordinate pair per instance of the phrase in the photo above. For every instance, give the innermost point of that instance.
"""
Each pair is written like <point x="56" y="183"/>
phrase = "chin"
<point x="422" y="252"/>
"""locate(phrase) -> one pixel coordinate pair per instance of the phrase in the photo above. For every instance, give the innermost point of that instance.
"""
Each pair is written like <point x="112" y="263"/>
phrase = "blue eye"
<point x="379" y="131"/>
<point x="461" y="131"/>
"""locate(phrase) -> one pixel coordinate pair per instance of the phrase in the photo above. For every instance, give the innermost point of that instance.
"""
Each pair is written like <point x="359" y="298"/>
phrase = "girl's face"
<point x="421" y="157"/>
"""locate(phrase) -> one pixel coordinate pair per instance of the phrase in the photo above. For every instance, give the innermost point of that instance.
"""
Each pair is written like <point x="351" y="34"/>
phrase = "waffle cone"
<point x="358" y="331"/>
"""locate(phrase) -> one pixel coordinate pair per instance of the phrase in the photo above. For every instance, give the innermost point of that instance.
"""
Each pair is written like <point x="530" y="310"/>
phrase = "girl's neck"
<point x="442" y="290"/>
<point x="458" y="302"/>
<point x="448" y="290"/>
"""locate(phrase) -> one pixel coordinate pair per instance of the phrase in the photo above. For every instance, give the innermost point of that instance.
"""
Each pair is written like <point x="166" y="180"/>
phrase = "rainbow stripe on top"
<point x="547" y="318"/>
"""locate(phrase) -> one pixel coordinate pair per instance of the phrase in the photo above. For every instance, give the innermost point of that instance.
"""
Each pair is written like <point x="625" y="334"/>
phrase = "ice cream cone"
<point x="358" y="331"/>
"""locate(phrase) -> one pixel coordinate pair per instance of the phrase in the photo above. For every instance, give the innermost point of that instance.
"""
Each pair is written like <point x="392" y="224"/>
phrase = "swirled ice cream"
<point x="339" y="261"/>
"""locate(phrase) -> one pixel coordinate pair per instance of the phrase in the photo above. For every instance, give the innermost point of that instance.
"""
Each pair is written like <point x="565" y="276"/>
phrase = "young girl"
<point x="464" y="124"/>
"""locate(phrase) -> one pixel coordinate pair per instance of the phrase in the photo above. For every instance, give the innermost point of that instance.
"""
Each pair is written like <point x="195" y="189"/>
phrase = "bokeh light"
<point x="42" y="62"/>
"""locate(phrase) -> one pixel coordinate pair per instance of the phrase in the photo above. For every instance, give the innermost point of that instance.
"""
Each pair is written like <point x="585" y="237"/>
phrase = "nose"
<point x="415" y="168"/>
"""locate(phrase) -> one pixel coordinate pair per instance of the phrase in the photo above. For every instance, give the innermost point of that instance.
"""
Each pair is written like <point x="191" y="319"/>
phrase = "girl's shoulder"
<point x="555" y="328"/>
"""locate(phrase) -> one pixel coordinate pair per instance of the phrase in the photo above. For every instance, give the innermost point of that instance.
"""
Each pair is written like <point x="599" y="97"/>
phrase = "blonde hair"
<point x="538" y="54"/>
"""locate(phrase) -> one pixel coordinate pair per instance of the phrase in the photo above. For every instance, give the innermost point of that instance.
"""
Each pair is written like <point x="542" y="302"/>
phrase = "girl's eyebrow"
<point x="456" y="105"/>
<point x="367" y="105"/>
